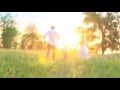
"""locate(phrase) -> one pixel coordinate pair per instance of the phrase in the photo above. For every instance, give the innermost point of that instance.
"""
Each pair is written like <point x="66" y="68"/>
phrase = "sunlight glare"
<point x="42" y="60"/>
<point x="107" y="51"/>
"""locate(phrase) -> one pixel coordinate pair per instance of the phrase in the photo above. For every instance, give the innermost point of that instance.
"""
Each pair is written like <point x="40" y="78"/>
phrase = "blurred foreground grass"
<point x="32" y="64"/>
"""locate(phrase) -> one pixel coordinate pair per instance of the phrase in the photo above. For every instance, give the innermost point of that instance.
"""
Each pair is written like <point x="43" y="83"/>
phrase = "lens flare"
<point x="42" y="60"/>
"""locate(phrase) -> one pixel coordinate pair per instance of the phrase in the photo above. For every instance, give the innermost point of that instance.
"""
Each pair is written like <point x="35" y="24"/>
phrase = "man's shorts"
<point x="50" y="46"/>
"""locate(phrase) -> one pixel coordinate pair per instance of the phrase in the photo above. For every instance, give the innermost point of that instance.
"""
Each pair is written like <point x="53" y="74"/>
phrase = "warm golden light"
<point x="65" y="23"/>
<point x="107" y="51"/>
<point x="71" y="39"/>
<point x="42" y="60"/>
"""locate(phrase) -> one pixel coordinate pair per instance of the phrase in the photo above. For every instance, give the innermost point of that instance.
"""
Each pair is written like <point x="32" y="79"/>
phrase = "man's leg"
<point x="48" y="51"/>
<point x="53" y="52"/>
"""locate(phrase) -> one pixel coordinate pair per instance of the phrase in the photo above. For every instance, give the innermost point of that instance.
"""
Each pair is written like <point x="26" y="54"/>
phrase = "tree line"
<point x="102" y="30"/>
<point x="102" y="26"/>
<point x="10" y="35"/>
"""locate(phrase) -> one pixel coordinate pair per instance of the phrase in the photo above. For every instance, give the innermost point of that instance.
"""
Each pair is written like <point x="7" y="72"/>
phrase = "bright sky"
<point x="64" y="22"/>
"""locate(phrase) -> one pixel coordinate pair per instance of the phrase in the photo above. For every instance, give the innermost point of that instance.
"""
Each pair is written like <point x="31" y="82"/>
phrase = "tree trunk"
<point x="103" y="48"/>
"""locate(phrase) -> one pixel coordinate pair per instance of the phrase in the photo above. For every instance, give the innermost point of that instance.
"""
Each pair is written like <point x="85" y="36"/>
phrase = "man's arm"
<point x="45" y="36"/>
<point x="57" y="36"/>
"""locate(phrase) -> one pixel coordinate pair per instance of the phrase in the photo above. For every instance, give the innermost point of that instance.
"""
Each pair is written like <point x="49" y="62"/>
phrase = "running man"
<point x="52" y="34"/>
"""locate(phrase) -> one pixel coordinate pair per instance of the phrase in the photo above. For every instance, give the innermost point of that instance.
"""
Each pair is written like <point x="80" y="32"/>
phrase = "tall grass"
<point x="21" y="64"/>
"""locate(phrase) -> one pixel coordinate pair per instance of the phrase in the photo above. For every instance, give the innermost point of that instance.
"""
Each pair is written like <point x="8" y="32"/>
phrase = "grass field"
<point x="32" y="64"/>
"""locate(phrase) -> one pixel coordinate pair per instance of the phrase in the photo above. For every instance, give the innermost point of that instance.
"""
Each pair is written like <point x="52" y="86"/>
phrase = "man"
<point x="51" y="44"/>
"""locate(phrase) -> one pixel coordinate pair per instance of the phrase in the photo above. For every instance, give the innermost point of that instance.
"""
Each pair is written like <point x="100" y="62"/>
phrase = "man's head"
<point x="52" y="27"/>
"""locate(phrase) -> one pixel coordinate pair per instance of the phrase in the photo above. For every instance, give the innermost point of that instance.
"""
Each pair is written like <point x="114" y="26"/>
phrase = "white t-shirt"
<point x="52" y="35"/>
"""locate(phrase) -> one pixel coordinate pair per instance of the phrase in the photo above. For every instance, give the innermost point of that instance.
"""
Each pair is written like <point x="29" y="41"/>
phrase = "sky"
<point x="64" y="22"/>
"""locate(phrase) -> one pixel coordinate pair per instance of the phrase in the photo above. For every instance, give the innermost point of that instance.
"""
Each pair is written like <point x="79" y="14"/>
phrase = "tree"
<point x="90" y="37"/>
<point x="9" y="31"/>
<point x="31" y="39"/>
<point x="31" y="28"/>
<point x="108" y="25"/>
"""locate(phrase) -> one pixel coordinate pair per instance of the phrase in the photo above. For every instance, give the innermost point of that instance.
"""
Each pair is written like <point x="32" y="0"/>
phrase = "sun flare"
<point x="42" y="60"/>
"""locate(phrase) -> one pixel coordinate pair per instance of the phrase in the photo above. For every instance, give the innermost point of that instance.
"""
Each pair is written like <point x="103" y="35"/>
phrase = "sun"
<point x="71" y="39"/>
<point x="65" y="23"/>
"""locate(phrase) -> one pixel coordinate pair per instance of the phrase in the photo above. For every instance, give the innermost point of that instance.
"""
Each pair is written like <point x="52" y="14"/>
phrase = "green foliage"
<point x="107" y="24"/>
<point x="31" y="39"/>
<point x="7" y="36"/>
<point x="9" y="30"/>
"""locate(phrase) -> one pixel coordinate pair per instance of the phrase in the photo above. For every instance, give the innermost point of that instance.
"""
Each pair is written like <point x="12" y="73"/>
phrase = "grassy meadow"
<point x="32" y="64"/>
